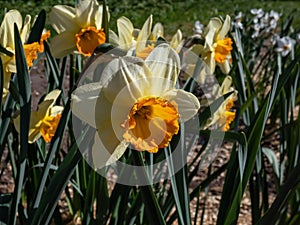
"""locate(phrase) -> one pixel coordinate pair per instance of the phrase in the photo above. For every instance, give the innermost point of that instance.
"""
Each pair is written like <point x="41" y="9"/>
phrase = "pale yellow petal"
<point x="188" y="104"/>
<point x="225" y="28"/>
<point x="63" y="44"/>
<point x="83" y="103"/>
<point x="125" y="30"/>
<point x="214" y="24"/>
<point x="55" y="110"/>
<point x="158" y="30"/>
<point x="7" y="28"/>
<point x="53" y="95"/>
<point x="225" y="66"/>
<point x="176" y="40"/>
<point x="164" y="64"/>
<point x="102" y="157"/>
<point x="144" y="34"/>
<point x="26" y="29"/>
<point x="127" y="75"/>
<point x="86" y="12"/>
<point x="62" y="18"/>
<point x="113" y="38"/>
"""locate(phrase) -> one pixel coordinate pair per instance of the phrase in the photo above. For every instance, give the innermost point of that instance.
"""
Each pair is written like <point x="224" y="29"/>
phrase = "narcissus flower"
<point x="224" y="116"/>
<point x="284" y="45"/>
<point x="217" y="46"/>
<point x="135" y="102"/>
<point x="142" y="41"/>
<point x="79" y="29"/>
<point x="44" y="121"/>
<point x="132" y="39"/>
<point x="8" y="44"/>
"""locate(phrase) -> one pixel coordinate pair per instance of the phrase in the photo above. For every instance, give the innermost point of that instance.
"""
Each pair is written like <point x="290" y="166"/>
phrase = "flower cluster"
<point x="137" y="100"/>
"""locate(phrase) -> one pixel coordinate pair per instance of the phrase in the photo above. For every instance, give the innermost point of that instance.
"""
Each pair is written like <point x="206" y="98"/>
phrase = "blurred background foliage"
<point x="173" y="14"/>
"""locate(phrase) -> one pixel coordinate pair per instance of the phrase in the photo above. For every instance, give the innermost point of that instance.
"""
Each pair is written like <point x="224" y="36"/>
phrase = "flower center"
<point x="88" y="39"/>
<point x="222" y="49"/>
<point x="145" y="52"/>
<point x="30" y="51"/>
<point x="151" y="124"/>
<point x="48" y="127"/>
<point x="227" y="116"/>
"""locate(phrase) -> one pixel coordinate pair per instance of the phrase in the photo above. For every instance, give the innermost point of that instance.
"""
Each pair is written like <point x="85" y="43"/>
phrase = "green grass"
<point x="172" y="14"/>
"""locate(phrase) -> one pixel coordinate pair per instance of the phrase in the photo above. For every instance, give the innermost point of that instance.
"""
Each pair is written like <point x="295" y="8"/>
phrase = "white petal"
<point x="144" y="35"/>
<point x="7" y="28"/>
<point x="188" y="104"/>
<point x="225" y="28"/>
<point x="164" y="64"/>
<point x="113" y="38"/>
<point x="101" y="157"/>
<point x="86" y="12"/>
<point x="158" y="30"/>
<point x="26" y="29"/>
<point x="127" y="75"/>
<point x="63" y="44"/>
<point x="83" y="103"/>
<point x="125" y="29"/>
<point x="62" y="18"/>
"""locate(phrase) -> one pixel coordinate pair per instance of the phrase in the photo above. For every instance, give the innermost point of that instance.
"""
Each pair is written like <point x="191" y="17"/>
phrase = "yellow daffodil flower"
<point x="8" y="43"/>
<point x="132" y="39"/>
<point x="79" y="29"/>
<point x="135" y="102"/>
<point x="224" y="116"/>
<point x="142" y="41"/>
<point x="217" y="46"/>
<point x="44" y="121"/>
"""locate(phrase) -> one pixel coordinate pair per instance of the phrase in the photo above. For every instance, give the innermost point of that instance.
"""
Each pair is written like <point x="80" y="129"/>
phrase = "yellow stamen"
<point x="48" y="127"/>
<point x="222" y="49"/>
<point x="151" y="124"/>
<point x="227" y="116"/>
<point x="30" y="51"/>
<point x="145" y="52"/>
<point x="88" y="39"/>
<point x="44" y="37"/>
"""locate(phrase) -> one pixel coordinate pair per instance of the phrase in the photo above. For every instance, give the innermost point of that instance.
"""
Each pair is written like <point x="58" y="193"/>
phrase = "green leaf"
<point x="271" y="156"/>
<point x="105" y="25"/>
<point x="37" y="28"/>
<point x="25" y="104"/>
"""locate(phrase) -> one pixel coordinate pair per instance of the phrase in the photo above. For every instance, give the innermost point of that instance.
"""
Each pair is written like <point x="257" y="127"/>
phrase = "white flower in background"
<point x="198" y="28"/>
<point x="285" y="45"/>
<point x="238" y="21"/>
<point x="258" y="13"/>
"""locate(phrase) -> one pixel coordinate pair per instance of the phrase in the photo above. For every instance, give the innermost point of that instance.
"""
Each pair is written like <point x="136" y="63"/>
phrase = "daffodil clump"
<point x="137" y="101"/>
<point x="7" y="55"/>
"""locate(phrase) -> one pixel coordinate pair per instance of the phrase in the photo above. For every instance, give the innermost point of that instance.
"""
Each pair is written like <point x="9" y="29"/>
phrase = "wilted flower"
<point x="135" y="102"/>
<point x="79" y="29"/>
<point x="224" y="116"/>
<point x="44" y="121"/>
<point x="8" y="43"/>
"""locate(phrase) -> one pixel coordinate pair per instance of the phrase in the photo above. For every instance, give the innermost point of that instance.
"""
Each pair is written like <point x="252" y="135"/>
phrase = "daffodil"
<point x="217" y="46"/>
<point x="132" y="39"/>
<point x="44" y="121"/>
<point x="135" y="102"/>
<point x="79" y="29"/>
<point x="224" y="115"/>
<point x="8" y="44"/>
<point x="142" y="41"/>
